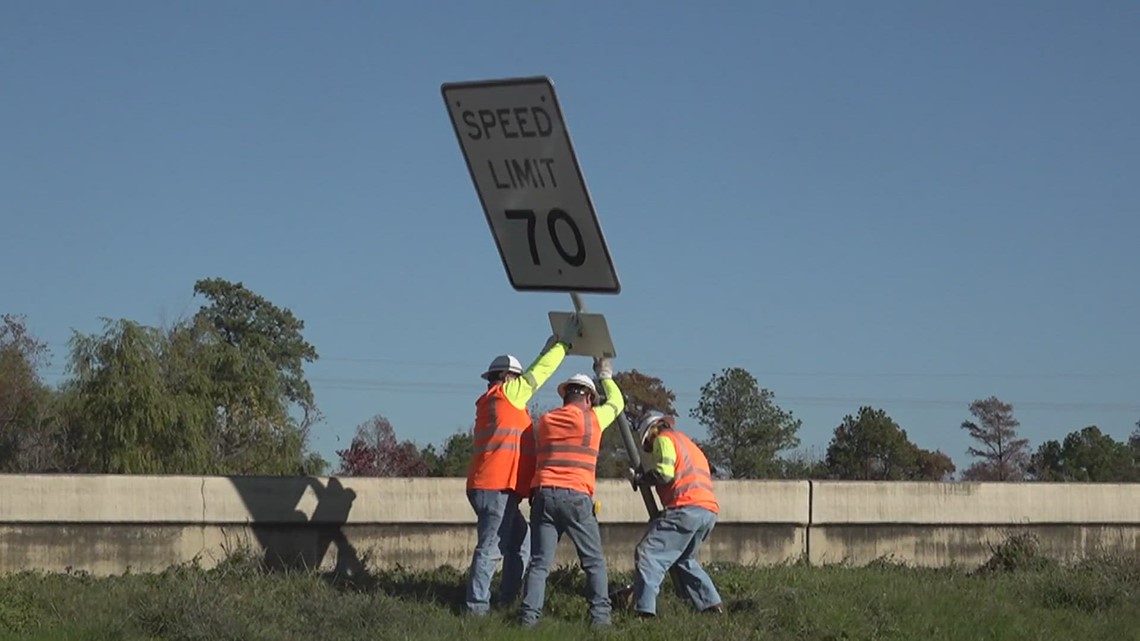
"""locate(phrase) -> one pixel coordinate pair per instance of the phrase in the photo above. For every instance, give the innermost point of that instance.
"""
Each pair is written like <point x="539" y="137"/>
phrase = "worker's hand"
<point x="635" y="477"/>
<point x="551" y="341"/>
<point x="570" y="330"/>
<point x="603" y="369"/>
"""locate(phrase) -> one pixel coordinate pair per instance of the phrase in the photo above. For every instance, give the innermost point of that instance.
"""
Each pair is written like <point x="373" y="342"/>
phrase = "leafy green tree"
<point x="254" y="354"/>
<point x="454" y="457"/>
<point x="1087" y="455"/>
<point x="262" y="332"/>
<point x="1004" y="456"/>
<point x="30" y="439"/>
<point x="122" y="418"/>
<point x="746" y="428"/>
<point x="211" y="394"/>
<point x="873" y="447"/>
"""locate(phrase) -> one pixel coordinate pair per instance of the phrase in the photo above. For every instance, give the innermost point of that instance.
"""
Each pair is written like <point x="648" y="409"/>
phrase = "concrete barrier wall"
<point x="943" y="524"/>
<point x="111" y="524"/>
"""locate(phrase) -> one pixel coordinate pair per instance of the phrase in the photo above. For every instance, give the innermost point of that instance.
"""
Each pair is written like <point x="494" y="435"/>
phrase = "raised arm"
<point x="615" y="402"/>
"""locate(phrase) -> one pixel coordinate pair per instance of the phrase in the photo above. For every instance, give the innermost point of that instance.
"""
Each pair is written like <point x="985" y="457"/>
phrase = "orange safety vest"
<point x="692" y="483"/>
<point x="567" y="449"/>
<point x="497" y="446"/>
<point x="526" y="462"/>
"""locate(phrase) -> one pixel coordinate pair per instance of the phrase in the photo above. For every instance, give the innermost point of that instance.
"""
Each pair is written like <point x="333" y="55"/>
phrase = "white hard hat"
<point x="648" y="420"/>
<point x="503" y="363"/>
<point x="578" y="379"/>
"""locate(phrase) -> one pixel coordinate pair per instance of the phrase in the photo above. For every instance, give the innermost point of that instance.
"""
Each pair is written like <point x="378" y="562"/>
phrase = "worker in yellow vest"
<point x="502" y="464"/>
<point x="567" y="442"/>
<point x="681" y="474"/>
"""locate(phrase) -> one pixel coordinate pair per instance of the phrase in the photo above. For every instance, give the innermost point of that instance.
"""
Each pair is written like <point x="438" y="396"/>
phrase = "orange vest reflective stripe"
<point x="497" y="445"/>
<point x="692" y="483"/>
<point x="567" y="449"/>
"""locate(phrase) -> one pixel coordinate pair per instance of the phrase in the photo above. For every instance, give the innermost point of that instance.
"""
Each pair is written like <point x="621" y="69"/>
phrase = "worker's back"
<point x="692" y="481"/>
<point x="497" y="446"/>
<point x="566" y="449"/>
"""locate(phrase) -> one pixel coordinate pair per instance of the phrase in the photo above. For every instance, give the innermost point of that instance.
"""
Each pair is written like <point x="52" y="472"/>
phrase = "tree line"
<point x="221" y="392"/>
<point x="224" y="392"/>
<point x="751" y="437"/>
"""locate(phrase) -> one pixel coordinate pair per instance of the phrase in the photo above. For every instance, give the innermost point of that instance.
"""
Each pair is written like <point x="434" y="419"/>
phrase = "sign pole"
<point x="633" y="452"/>
<point x="522" y="163"/>
<point x="632" y="449"/>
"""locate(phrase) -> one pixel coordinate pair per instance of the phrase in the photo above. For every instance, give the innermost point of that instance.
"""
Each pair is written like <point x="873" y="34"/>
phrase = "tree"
<point x="1004" y="457"/>
<point x="375" y="451"/>
<point x="210" y="394"/>
<point x="934" y="466"/>
<point x="454" y="458"/>
<point x="261" y="331"/>
<point x="746" y="428"/>
<point x="29" y="432"/>
<point x="1086" y="455"/>
<point x="122" y="418"/>
<point x="254" y="354"/>
<point x="873" y="447"/>
<point x="642" y="393"/>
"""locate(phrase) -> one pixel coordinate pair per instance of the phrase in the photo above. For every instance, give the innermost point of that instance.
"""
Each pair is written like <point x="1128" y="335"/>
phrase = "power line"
<point x="436" y="388"/>
<point x="457" y="389"/>
<point x="653" y="369"/>
<point x="760" y="373"/>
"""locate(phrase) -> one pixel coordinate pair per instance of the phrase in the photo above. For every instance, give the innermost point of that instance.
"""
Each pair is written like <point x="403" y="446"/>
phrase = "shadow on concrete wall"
<point x="289" y="539"/>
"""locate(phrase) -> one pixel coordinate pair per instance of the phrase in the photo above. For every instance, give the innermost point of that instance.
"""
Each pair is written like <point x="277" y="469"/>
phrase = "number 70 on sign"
<point x="518" y="151"/>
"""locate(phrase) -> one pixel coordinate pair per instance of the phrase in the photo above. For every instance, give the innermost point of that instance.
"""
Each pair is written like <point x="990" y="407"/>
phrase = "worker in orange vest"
<point x="502" y="464"/>
<point x="567" y="442"/>
<point x="684" y="483"/>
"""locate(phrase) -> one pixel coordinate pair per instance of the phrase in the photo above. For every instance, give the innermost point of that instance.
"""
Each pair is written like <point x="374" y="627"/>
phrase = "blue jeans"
<point x="674" y="538"/>
<point x="554" y="512"/>
<point x="503" y="534"/>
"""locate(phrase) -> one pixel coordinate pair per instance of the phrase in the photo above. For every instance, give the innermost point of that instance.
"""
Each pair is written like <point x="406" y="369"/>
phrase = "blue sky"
<point x="907" y="205"/>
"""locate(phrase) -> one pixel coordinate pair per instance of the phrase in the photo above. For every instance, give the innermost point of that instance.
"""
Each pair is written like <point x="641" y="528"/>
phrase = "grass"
<point x="1018" y="595"/>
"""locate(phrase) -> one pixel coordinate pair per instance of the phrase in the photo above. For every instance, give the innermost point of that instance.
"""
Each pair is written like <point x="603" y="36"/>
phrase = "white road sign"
<point x="523" y="165"/>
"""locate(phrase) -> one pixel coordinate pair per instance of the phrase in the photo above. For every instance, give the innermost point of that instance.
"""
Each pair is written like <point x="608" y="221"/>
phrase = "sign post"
<point x="519" y="155"/>
<point x="518" y="151"/>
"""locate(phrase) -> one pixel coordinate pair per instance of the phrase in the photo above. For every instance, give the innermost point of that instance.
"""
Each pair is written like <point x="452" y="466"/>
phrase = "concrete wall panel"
<point x="974" y="503"/>
<point x="107" y="524"/>
<point x="942" y="524"/>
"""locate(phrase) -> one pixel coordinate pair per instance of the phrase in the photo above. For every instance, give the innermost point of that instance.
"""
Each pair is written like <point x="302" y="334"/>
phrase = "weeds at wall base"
<point x="245" y="597"/>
